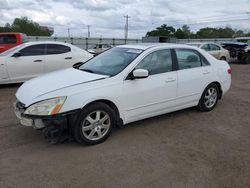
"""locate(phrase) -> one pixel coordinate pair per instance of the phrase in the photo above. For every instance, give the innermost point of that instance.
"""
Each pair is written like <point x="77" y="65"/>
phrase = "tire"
<point x="223" y="58"/>
<point x="209" y="98"/>
<point x="246" y="58"/>
<point x="94" y="124"/>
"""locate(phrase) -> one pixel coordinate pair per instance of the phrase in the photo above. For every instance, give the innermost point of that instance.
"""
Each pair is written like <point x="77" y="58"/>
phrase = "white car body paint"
<point x="20" y="69"/>
<point x="135" y="99"/>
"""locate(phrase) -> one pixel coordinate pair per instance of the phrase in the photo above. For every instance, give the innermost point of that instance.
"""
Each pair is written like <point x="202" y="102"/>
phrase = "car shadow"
<point x="9" y="86"/>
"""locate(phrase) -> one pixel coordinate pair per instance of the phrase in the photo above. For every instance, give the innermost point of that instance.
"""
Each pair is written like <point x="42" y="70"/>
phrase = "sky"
<point x="106" y="17"/>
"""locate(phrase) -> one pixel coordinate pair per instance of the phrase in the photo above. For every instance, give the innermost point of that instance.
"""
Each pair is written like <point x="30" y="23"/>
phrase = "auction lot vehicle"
<point x="239" y="49"/>
<point x="99" y="48"/>
<point x="214" y="49"/>
<point x="121" y="85"/>
<point x="32" y="59"/>
<point x="11" y="39"/>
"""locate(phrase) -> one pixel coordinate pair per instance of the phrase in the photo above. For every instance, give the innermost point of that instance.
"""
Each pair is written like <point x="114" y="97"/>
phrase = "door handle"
<point x="170" y="79"/>
<point x="38" y="60"/>
<point x="206" y="72"/>
<point x="68" y="58"/>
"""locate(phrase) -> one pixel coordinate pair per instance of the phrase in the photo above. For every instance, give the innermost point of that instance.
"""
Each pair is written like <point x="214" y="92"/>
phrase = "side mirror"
<point x="77" y="65"/>
<point x="17" y="54"/>
<point x="140" y="73"/>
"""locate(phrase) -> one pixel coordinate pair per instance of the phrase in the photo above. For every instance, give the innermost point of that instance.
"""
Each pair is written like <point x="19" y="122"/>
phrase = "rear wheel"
<point x="223" y="58"/>
<point x="209" y="98"/>
<point x="95" y="124"/>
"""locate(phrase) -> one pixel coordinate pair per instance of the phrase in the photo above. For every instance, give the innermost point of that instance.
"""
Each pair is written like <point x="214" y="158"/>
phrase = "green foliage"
<point x="163" y="30"/>
<point x="24" y="25"/>
<point x="208" y="32"/>
<point x="183" y="33"/>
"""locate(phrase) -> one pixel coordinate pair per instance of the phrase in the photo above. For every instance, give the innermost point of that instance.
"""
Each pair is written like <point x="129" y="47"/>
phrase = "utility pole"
<point x="126" y="27"/>
<point x="68" y="32"/>
<point x="88" y="31"/>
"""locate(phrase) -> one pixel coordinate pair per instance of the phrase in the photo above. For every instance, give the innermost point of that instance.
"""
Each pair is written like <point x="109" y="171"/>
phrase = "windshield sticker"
<point x="136" y="51"/>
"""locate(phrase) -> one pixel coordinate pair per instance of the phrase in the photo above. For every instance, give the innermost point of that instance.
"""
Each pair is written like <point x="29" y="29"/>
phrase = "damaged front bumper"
<point x="53" y="126"/>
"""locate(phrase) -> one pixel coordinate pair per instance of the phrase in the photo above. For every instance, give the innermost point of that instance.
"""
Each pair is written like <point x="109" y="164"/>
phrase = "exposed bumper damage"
<point x="55" y="128"/>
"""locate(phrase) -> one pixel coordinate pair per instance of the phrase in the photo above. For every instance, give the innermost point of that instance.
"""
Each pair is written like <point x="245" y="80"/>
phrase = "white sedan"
<point x="214" y="49"/>
<point x="32" y="59"/>
<point x="122" y="85"/>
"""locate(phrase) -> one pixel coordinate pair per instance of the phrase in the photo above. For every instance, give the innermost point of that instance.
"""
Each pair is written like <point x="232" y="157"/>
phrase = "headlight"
<point x="46" y="107"/>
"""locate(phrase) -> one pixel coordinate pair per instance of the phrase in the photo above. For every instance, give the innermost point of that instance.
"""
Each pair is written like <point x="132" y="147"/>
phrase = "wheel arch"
<point x="219" y="87"/>
<point x="113" y="106"/>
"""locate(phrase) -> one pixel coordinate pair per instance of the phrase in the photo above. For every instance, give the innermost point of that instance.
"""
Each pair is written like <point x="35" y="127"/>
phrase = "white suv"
<point x="122" y="85"/>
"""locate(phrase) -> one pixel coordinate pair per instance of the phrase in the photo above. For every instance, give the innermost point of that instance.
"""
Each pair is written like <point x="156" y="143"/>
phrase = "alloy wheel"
<point x="210" y="98"/>
<point x="96" y="125"/>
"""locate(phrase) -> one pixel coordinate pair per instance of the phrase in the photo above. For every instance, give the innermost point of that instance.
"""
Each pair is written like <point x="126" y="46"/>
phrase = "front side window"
<point x="188" y="58"/>
<point x="157" y="62"/>
<point x="57" y="49"/>
<point x="33" y="50"/>
<point x="112" y="61"/>
<point x="7" y="39"/>
<point x="205" y="47"/>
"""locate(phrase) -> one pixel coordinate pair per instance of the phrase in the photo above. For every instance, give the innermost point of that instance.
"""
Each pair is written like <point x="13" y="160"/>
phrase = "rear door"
<point x="194" y="74"/>
<point x="30" y="64"/>
<point x="58" y="56"/>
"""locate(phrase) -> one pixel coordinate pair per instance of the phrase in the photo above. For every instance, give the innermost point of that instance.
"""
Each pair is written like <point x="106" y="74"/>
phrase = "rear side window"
<point x="57" y="49"/>
<point x="38" y="49"/>
<point x="214" y="47"/>
<point x="7" y="39"/>
<point x="188" y="58"/>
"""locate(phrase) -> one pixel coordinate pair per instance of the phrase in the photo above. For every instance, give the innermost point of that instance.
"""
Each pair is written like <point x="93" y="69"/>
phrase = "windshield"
<point x="11" y="50"/>
<point x="112" y="61"/>
<point x="195" y="45"/>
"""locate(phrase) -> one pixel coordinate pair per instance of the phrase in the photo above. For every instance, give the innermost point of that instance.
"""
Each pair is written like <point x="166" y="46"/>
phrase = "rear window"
<point x="7" y="39"/>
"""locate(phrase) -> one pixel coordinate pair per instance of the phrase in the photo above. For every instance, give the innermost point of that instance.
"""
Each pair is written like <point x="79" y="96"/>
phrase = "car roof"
<point x="202" y="43"/>
<point x="46" y="42"/>
<point x="145" y="46"/>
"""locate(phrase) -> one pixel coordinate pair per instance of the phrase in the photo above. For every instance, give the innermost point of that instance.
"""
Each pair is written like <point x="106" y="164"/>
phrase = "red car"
<point x="11" y="39"/>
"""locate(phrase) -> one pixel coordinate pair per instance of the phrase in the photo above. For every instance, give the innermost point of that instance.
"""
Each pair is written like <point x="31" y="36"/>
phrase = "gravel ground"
<point x="181" y="149"/>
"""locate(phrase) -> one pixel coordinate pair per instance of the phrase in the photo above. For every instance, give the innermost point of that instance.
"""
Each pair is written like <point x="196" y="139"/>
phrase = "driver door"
<point x="29" y="64"/>
<point x="155" y="94"/>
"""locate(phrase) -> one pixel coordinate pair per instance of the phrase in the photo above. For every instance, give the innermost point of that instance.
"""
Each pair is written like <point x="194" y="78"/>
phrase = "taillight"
<point x="229" y="71"/>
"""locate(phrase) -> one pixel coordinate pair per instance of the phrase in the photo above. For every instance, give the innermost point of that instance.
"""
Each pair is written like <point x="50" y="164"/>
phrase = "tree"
<point x="24" y="25"/>
<point x="183" y="33"/>
<point x="163" y="30"/>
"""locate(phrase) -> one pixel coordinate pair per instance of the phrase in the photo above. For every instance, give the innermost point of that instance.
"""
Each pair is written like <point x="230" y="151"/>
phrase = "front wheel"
<point x="209" y="98"/>
<point x="94" y="124"/>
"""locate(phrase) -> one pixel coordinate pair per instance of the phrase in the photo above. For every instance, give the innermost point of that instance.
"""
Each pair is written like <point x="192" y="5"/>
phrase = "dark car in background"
<point x="11" y="39"/>
<point x="239" y="49"/>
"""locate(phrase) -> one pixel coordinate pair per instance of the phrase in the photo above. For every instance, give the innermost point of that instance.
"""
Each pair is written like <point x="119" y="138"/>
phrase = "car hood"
<point x="45" y="84"/>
